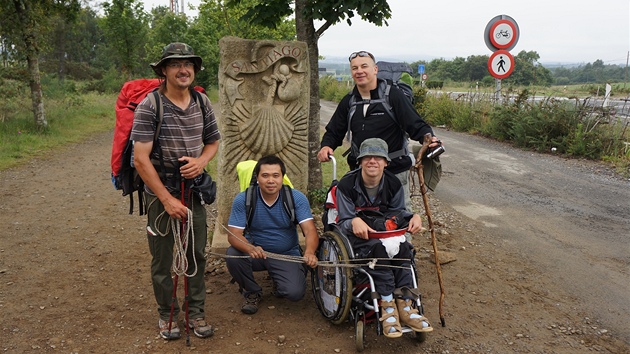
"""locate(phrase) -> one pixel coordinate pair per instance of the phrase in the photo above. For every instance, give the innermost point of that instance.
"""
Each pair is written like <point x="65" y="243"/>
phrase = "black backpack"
<point x="393" y="72"/>
<point x="384" y="88"/>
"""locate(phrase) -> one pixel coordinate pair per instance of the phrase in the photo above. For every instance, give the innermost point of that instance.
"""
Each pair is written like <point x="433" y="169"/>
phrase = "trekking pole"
<point x="184" y="234"/>
<point x="425" y="199"/>
<point x="173" y="299"/>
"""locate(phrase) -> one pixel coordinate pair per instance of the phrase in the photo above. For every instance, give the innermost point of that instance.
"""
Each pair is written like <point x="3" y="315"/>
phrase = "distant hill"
<point x="334" y="61"/>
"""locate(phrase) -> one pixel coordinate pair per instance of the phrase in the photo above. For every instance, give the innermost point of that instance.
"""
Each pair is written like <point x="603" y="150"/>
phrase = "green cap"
<point x="373" y="147"/>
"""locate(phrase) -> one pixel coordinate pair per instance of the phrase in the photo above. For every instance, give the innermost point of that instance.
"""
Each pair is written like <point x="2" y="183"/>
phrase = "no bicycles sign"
<point x="501" y="32"/>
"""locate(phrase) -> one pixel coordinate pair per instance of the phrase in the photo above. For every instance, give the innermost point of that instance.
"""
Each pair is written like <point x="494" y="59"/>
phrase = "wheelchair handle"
<point x="334" y="171"/>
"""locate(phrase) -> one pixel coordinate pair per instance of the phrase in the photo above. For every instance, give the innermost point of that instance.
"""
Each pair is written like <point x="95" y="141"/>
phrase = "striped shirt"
<point x="181" y="131"/>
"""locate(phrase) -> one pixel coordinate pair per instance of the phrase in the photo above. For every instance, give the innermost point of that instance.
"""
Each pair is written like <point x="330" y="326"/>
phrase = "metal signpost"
<point x="501" y="35"/>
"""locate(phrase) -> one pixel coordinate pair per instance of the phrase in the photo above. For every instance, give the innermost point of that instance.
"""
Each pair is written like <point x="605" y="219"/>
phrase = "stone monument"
<point x="264" y="99"/>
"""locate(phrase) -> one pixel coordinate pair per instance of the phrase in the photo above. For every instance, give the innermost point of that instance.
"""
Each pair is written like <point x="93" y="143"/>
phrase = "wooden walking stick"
<point x="425" y="199"/>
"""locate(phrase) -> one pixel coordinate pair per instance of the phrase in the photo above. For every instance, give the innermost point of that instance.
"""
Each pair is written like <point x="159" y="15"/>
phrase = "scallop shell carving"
<point x="267" y="133"/>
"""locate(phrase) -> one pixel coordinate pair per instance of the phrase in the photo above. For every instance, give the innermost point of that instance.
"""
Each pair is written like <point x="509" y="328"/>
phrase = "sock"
<point x="415" y="315"/>
<point x="389" y="297"/>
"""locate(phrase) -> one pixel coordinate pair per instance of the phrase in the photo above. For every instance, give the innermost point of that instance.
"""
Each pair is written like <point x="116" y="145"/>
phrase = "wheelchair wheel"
<point x="359" y="335"/>
<point x="332" y="286"/>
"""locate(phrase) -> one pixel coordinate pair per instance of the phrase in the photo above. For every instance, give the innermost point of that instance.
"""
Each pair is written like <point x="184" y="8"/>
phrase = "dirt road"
<point x="74" y="273"/>
<point x="570" y="218"/>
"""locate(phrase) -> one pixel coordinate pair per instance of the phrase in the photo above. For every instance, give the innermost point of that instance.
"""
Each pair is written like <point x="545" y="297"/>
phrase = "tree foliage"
<point x="527" y="70"/>
<point x="125" y="27"/>
<point x="596" y="72"/>
<point x="25" y="35"/>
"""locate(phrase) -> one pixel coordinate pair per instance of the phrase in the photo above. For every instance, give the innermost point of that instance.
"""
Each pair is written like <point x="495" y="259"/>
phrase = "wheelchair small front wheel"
<point x="359" y="335"/>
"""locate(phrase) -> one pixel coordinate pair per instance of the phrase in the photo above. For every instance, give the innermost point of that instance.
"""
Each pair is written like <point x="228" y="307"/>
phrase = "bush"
<point x="438" y="110"/>
<point x="111" y="82"/>
<point x="435" y="84"/>
<point x="10" y="88"/>
<point x="561" y="81"/>
<point x="332" y="90"/>
<point x="72" y="70"/>
<point x="16" y="73"/>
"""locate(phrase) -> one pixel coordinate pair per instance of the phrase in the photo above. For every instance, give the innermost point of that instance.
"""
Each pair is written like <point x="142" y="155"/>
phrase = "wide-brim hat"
<point x="373" y="147"/>
<point x="177" y="51"/>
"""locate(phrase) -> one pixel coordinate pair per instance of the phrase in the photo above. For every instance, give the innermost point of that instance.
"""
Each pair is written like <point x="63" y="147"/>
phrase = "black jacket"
<point x="377" y="124"/>
<point x="351" y="195"/>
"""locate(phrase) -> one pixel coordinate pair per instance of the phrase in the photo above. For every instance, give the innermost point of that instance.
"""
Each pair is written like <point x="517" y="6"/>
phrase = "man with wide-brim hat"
<point x="188" y="139"/>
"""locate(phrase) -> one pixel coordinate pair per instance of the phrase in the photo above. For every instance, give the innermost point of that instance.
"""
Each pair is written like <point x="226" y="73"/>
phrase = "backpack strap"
<point x="289" y="203"/>
<point x="250" y="202"/>
<point x="203" y="101"/>
<point x="156" y="101"/>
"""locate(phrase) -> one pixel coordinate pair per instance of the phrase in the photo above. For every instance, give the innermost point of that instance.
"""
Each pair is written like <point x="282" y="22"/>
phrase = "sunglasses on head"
<point x="362" y="53"/>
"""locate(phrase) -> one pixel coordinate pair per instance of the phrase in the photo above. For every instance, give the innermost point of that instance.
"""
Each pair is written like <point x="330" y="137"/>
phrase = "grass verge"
<point x="70" y="120"/>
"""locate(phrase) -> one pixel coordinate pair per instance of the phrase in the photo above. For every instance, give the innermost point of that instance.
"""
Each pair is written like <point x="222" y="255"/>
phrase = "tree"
<point x="270" y="13"/>
<point x="31" y="20"/>
<point x="125" y="26"/>
<point x="527" y="71"/>
<point x="72" y="40"/>
<point x="217" y="19"/>
<point x="475" y="68"/>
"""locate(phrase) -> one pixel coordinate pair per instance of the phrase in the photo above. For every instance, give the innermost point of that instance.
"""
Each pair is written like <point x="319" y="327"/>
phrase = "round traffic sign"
<point x="503" y="34"/>
<point x="425" y="77"/>
<point x="501" y="64"/>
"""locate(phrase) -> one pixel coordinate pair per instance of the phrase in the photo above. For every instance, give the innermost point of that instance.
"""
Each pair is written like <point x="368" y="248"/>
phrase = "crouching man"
<point x="271" y="229"/>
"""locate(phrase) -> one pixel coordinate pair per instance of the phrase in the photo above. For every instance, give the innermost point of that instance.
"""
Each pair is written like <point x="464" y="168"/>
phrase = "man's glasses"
<point x="187" y="65"/>
<point x="362" y="53"/>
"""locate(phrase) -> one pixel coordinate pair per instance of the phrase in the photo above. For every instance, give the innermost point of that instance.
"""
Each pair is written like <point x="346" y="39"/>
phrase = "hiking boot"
<point x="251" y="303"/>
<point x="201" y="328"/>
<point x="164" y="333"/>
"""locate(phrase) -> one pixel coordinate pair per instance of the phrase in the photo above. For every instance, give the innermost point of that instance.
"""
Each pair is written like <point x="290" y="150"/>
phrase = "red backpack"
<point x="124" y="175"/>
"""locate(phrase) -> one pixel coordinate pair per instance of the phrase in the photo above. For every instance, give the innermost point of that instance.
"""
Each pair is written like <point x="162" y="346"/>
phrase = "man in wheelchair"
<point x="370" y="203"/>
<point x="266" y="226"/>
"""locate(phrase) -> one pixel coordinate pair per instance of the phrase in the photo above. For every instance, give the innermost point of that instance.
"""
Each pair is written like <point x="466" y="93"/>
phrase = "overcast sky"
<point x="560" y="31"/>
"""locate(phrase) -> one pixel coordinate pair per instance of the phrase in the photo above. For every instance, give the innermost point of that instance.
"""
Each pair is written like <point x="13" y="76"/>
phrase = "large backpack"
<point x="124" y="175"/>
<point x="395" y="72"/>
<point x="245" y="171"/>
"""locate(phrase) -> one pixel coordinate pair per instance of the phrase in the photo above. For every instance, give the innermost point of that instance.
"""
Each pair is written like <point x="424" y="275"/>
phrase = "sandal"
<point x="417" y="324"/>
<point x="387" y="326"/>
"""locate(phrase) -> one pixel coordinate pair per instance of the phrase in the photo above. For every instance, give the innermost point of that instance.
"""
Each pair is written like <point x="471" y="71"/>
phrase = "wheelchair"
<point x="347" y="291"/>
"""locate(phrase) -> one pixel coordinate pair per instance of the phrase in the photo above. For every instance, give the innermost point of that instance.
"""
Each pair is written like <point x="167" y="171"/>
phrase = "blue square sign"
<point x="420" y="69"/>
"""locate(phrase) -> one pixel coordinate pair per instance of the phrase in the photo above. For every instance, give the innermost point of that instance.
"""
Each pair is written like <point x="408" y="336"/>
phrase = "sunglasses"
<point x="362" y="53"/>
